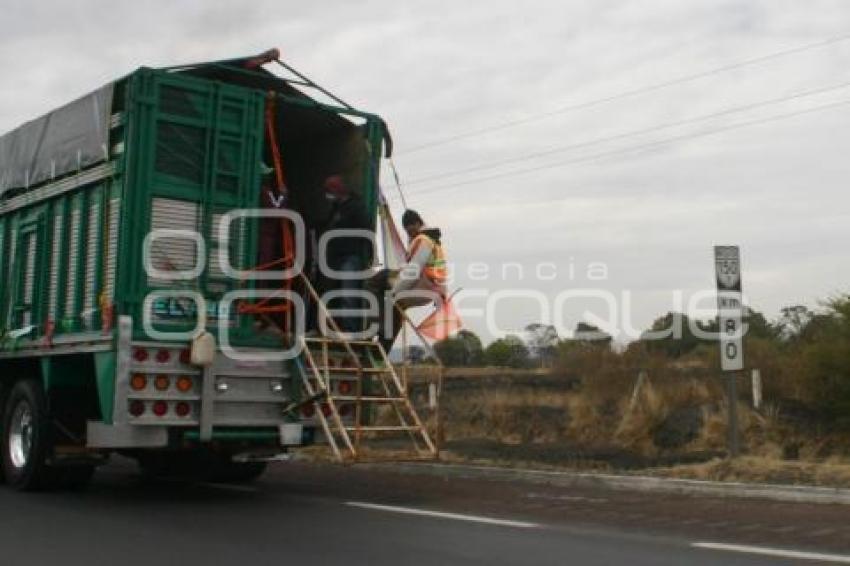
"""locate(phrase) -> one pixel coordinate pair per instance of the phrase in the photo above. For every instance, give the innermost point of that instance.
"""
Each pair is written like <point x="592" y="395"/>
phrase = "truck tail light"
<point x="326" y="409"/>
<point x="140" y="355"/>
<point x="308" y="410"/>
<point x="182" y="409"/>
<point x="184" y="384"/>
<point x="185" y="356"/>
<point x="163" y="355"/>
<point x="138" y="382"/>
<point x="137" y="408"/>
<point x="161" y="382"/>
<point x="345" y="387"/>
<point x="160" y="408"/>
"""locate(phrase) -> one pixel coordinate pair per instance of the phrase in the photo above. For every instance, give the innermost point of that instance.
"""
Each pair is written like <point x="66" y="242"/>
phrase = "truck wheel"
<point x="26" y="441"/>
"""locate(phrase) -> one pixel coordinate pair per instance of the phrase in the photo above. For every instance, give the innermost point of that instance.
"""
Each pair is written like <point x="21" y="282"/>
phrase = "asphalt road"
<point x="323" y="514"/>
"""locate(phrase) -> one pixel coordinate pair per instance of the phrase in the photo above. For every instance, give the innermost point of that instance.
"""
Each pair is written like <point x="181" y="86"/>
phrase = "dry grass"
<point x="426" y="373"/>
<point x="589" y="413"/>
<point x="511" y="417"/>
<point x="610" y="413"/>
<point x="757" y="469"/>
<point x="628" y="416"/>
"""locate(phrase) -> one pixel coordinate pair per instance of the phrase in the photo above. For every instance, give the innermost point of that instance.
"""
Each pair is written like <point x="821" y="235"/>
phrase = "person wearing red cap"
<point x="346" y="253"/>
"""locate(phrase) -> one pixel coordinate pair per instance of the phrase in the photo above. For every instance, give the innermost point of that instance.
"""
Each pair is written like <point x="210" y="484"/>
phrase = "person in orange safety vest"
<point x="420" y="281"/>
<point x="426" y="261"/>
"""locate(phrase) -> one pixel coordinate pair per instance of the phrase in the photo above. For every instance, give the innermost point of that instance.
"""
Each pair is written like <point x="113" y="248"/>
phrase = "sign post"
<point x="756" y="375"/>
<point x="727" y="264"/>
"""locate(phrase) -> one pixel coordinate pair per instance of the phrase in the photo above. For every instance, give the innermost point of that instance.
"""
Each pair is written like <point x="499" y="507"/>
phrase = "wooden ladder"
<point x="372" y="382"/>
<point x="324" y="362"/>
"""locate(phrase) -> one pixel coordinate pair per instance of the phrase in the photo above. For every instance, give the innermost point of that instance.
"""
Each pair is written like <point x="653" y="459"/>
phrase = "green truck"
<point x="99" y="320"/>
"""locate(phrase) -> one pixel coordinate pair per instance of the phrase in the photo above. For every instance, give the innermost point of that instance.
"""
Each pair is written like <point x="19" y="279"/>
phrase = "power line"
<point x="635" y="148"/>
<point x="628" y="134"/>
<point x="626" y="94"/>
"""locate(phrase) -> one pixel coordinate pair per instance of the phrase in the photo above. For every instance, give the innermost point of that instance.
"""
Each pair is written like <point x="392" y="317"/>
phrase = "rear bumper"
<point x="230" y="400"/>
<point x="127" y="436"/>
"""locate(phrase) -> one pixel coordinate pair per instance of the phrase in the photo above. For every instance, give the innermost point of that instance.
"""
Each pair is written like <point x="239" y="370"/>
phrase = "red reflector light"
<point x="308" y="410"/>
<point x="160" y="408"/>
<point x="163" y="356"/>
<point x="345" y="387"/>
<point x="182" y="409"/>
<point x="138" y="381"/>
<point x="140" y="355"/>
<point x="326" y="409"/>
<point x="161" y="382"/>
<point x="137" y="408"/>
<point x="184" y="384"/>
<point x="185" y="356"/>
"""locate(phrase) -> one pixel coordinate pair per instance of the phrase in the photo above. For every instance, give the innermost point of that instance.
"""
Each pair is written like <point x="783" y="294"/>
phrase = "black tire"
<point x="26" y="441"/>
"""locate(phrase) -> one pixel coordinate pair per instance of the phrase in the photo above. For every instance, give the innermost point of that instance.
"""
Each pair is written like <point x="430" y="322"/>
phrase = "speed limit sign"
<point x="727" y="264"/>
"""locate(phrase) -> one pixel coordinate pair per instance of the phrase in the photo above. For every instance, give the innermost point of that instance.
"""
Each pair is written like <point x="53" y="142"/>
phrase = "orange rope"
<point x="263" y="306"/>
<point x="288" y="245"/>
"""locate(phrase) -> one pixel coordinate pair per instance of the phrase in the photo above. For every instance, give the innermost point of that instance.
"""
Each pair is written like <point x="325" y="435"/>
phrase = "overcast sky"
<point x="612" y="187"/>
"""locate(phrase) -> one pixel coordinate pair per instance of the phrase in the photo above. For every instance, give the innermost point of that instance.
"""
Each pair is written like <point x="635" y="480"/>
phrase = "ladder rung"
<point x="367" y="399"/>
<point x="381" y="428"/>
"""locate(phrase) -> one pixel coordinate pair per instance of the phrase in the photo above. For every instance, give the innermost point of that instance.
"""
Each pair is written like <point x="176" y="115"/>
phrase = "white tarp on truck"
<point x="65" y="140"/>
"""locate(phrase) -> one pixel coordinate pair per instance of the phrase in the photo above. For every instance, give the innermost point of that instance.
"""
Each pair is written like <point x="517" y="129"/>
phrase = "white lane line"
<point x="778" y="552"/>
<point x="441" y="515"/>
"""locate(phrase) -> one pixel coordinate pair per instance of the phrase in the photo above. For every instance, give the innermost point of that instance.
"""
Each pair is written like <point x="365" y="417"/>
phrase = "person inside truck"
<point x="346" y="253"/>
<point x="420" y="281"/>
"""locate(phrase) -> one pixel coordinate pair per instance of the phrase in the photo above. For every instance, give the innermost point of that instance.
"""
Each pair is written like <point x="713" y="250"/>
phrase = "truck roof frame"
<point x="22" y="170"/>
